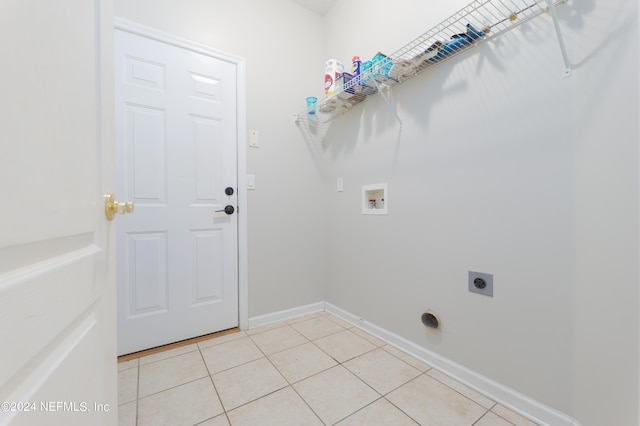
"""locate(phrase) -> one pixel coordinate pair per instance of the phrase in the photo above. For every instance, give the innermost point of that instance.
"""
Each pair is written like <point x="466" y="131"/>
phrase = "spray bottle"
<point x="356" y="67"/>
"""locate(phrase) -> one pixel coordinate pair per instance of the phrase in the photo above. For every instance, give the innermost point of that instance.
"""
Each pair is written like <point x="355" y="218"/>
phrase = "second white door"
<point x="176" y="137"/>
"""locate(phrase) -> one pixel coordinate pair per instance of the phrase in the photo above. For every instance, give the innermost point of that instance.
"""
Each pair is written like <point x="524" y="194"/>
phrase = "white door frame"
<point x="241" y="113"/>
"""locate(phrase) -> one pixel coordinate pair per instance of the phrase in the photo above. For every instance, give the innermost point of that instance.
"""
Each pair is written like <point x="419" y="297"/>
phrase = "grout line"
<point x="286" y="349"/>
<point x="460" y="393"/>
<point x="205" y="344"/>
<point x="263" y="356"/>
<point x="266" y="328"/>
<point x="356" y="376"/>
<point x="400" y="409"/>
<point x="429" y="367"/>
<point x="382" y="396"/>
<point x="137" y="391"/>
<point x="236" y="366"/>
<point x="480" y="418"/>
<point x="172" y="387"/>
<point x="307" y="404"/>
<point x="489" y="411"/>
<point x="360" y="409"/>
<point x="289" y="383"/>
<point x="508" y="421"/>
<point x="254" y="400"/>
<point x="224" y="410"/>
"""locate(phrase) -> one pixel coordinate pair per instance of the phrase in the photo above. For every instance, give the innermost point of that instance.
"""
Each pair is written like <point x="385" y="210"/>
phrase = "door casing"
<point x="144" y="31"/>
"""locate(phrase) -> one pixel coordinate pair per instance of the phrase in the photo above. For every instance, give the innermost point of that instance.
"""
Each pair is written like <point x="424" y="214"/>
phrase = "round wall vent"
<point x="430" y="319"/>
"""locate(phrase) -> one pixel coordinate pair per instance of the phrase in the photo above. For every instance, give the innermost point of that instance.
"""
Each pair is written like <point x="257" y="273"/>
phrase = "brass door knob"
<point x="113" y="207"/>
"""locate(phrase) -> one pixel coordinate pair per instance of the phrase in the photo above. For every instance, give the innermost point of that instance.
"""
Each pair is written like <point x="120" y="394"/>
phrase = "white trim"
<point x="521" y="404"/>
<point x="154" y="34"/>
<point x="243" y="204"/>
<point x="286" y="314"/>
<point x="241" y="123"/>
<point x="515" y="401"/>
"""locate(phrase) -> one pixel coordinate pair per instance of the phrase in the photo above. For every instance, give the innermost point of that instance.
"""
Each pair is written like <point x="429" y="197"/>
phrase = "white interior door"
<point x="57" y="271"/>
<point x="176" y="137"/>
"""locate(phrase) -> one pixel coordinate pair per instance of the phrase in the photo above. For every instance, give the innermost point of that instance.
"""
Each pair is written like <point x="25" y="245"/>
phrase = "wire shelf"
<point x="476" y="23"/>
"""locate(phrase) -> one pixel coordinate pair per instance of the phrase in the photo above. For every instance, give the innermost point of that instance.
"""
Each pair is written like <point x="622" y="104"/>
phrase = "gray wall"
<point x="501" y="166"/>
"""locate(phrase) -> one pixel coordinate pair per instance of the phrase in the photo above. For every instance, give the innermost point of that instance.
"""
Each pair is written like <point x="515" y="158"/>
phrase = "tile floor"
<point x="313" y="370"/>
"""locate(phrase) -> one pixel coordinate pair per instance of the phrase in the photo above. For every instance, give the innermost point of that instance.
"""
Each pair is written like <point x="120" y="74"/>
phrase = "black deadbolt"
<point x="227" y="209"/>
<point x="228" y="190"/>
<point x="479" y="283"/>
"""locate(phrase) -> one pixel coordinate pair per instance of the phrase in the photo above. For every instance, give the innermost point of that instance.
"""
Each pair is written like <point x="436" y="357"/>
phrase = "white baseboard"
<point x="521" y="404"/>
<point x="285" y="315"/>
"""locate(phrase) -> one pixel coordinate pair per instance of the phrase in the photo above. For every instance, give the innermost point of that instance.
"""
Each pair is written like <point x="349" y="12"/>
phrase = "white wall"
<point x="502" y="166"/>
<point x="606" y="111"/>
<point x="282" y="45"/>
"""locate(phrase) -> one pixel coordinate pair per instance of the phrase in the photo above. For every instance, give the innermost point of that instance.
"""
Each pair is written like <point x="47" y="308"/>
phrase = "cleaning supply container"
<point x="333" y="70"/>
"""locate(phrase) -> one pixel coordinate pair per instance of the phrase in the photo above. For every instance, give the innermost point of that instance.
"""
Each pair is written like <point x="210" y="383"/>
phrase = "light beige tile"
<point x="463" y="389"/>
<point x="221" y="339"/>
<point x="283" y="407"/>
<point x="380" y="413"/>
<point x="335" y="394"/>
<point x="231" y="354"/>
<point x="168" y="354"/>
<point x="127" y="414"/>
<point x="382" y="371"/>
<point x="278" y="340"/>
<point x="317" y="327"/>
<point x="301" y="362"/>
<point x="407" y="358"/>
<point x="264" y="328"/>
<point x="127" y="364"/>
<point x="187" y="404"/>
<point x="512" y="416"/>
<point x="491" y="419"/>
<point x="339" y="321"/>
<point x="344" y="345"/>
<point x="247" y="382"/>
<point x="430" y="402"/>
<point x="366" y="336"/>
<point x="305" y="317"/>
<point x="170" y="372"/>
<point x="221" y="420"/>
<point x="127" y="385"/>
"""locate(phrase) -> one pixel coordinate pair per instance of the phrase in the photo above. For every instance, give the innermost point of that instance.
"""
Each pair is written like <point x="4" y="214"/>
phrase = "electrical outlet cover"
<point x="253" y="139"/>
<point x="487" y="290"/>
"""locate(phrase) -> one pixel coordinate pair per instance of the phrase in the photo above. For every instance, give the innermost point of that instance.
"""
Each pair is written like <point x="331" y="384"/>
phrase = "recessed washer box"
<point x="375" y="199"/>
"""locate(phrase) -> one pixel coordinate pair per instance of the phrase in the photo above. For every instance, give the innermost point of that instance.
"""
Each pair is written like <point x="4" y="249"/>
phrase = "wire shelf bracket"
<point x="554" y="15"/>
<point x="386" y="100"/>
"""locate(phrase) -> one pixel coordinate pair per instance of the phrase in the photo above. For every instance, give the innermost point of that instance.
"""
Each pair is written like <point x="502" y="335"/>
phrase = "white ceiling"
<point x="319" y="6"/>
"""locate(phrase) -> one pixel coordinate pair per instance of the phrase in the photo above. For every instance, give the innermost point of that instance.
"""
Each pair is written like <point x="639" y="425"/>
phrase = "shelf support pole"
<point x="386" y="100"/>
<point x="567" y="65"/>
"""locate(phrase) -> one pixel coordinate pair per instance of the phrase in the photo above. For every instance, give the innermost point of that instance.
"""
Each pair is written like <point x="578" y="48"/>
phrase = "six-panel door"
<point x="176" y="154"/>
